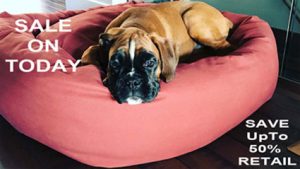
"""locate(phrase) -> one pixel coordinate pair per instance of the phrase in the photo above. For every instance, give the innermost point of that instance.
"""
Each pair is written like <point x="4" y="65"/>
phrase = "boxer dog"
<point x="144" y="44"/>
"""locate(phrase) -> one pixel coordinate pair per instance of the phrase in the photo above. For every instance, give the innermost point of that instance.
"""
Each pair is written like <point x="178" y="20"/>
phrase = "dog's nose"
<point x="134" y="84"/>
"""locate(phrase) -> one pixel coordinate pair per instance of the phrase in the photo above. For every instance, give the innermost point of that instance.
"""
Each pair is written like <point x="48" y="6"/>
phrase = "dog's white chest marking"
<point x="134" y="100"/>
<point x="132" y="54"/>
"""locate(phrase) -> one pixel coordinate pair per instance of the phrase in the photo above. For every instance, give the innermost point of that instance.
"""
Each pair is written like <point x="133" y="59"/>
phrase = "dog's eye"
<point x="149" y="63"/>
<point x="114" y="63"/>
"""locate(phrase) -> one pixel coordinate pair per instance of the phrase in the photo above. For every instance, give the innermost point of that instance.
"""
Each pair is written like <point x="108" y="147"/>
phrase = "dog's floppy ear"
<point x="107" y="38"/>
<point x="98" y="54"/>
<point x="90" y="55"/>
<point x="105" y="41"/>
<point x="95" y="55"/>
<point x="167" y="56"/>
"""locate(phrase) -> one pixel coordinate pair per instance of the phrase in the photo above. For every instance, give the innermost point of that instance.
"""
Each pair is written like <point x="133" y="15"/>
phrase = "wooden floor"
<point x="19" y="152"/>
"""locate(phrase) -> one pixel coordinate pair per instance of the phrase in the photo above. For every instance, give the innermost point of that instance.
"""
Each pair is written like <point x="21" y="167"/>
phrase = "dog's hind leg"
<point x="206" y="25"/>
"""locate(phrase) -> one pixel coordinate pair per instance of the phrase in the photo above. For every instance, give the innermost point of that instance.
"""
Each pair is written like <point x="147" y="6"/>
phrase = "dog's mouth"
<point x="132" y="95"/>
<point x="134" y="100"/>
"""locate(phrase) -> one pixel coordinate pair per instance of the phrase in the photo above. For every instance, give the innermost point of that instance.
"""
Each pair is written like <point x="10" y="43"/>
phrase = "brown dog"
<point x="144" y="44"/>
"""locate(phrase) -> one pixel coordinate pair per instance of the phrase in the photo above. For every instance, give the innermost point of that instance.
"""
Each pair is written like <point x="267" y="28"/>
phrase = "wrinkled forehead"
<point x="132" y="53"/>
<point x="133" y="45"/>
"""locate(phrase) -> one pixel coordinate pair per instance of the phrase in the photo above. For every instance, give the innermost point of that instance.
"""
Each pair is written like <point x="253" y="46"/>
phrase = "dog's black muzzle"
<point x="133" y="89"/>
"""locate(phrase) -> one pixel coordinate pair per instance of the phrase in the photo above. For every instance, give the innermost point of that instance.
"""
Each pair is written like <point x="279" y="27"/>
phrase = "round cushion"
<point x="75" y="114"/>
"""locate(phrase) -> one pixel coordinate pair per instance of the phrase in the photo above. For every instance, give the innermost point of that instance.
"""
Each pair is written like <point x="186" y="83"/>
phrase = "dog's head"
<point x="134" y="62"/>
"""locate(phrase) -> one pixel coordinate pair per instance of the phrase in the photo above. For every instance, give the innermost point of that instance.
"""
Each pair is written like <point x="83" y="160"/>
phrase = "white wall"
<point x="34" y="6"/>
<point x="21" y="6"/>
<point x="85" y="4"/>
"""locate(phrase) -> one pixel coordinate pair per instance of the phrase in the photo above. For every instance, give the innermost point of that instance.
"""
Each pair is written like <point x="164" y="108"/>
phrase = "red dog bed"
<point x="74" y="113"/>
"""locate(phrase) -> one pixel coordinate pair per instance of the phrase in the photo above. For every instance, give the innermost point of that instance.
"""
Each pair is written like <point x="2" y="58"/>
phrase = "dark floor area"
<point x="19" y="152"/>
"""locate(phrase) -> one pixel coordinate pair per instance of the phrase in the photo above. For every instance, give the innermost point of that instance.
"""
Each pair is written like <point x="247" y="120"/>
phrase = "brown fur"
<point x="169" y="30"/>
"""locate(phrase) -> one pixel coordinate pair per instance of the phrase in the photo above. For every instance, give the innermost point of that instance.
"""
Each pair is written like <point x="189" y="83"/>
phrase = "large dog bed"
<point x="74" y="113"/>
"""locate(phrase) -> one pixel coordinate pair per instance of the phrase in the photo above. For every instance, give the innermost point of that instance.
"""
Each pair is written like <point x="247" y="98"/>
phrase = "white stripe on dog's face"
<point x="132" y="50"/>
<point x="132" y="54"/>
